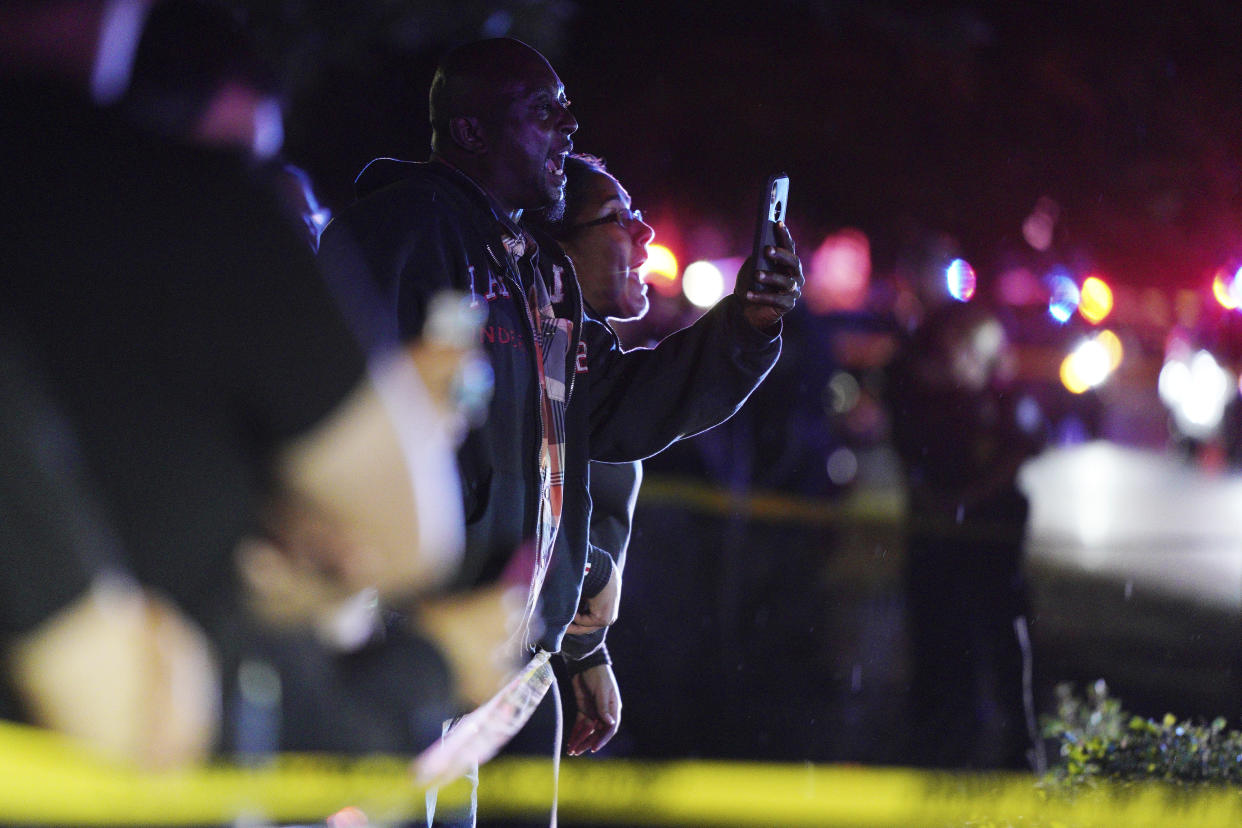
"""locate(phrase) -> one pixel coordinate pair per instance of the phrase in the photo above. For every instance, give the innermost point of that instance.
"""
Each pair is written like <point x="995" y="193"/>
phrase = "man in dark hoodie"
<point x="564" y="390"/>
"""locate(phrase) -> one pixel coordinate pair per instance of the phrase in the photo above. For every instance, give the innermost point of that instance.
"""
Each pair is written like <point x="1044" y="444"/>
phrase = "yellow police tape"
<point x="44" y="779"/>
<point x="48" y="781"/>
<point x="863" y="506"/>
<point x="876" y="508"/>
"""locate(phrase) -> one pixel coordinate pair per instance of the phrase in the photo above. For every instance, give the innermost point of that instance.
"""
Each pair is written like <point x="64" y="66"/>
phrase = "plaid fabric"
<point x="552" y="337"/>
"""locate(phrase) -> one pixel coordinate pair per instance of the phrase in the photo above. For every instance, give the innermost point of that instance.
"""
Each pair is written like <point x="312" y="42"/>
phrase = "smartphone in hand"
<point x="773" y="203"/>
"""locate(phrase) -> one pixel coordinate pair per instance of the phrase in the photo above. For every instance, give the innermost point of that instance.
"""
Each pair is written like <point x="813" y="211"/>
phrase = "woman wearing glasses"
<point x="606" y="239"/>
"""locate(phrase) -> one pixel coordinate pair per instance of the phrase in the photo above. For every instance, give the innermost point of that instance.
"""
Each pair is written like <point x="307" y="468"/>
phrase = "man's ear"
<point x="467" y="134"/>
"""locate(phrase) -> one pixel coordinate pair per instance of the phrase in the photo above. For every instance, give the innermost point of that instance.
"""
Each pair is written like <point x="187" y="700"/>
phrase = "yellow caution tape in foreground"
<point x="45" y="780"/>
<point x="741" y="794"/>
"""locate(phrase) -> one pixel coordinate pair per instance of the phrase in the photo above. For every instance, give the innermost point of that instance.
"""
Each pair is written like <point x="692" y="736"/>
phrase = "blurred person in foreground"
<point x="962" y="436"/>
<point x="198" y="78"/>
<point x="565" y="392"/>
<point x="344" y="675"/>
<point x="191" y="344"/>
<point x="70" y="614"/>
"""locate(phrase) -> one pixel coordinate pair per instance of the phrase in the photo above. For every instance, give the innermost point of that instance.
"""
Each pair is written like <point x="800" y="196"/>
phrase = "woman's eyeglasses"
<point x="625" y="217"/>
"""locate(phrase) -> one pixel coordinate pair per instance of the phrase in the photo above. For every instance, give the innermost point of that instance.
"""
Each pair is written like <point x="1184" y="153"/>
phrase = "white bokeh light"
<point x="1196" y="390"/>
<point x="702" y="283"/>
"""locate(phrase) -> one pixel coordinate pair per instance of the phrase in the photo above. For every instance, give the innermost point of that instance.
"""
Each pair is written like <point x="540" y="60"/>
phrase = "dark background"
<point x="893" y="117"/>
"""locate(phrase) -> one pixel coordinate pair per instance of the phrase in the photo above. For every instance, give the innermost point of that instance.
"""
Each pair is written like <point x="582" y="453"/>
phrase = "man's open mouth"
<point x="556" y="163"/>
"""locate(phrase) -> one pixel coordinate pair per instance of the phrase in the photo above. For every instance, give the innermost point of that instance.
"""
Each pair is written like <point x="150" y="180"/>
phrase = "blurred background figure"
<point x="922" y="262"/>
<point x="961" y="438"/>
<point x="821" y="409"/>
<point x="787" y="461"/>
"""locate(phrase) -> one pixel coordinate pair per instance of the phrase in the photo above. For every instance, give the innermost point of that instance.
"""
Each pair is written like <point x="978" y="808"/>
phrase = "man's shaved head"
<point x="474" y="80"/>
<point x="500" y="115"/>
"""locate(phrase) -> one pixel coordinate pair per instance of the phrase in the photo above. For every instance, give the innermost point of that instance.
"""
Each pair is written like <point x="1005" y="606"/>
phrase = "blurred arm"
<point x="123" y="672"/>
<point x="380" y="468"/>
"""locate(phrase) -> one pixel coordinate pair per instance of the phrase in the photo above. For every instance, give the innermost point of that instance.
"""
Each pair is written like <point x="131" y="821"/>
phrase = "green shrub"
<point x="1099" y="741"/>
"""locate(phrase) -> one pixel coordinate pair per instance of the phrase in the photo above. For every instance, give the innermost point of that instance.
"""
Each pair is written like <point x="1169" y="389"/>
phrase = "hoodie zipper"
<point x="576" y="338"/>
<point x="512" y="277"/>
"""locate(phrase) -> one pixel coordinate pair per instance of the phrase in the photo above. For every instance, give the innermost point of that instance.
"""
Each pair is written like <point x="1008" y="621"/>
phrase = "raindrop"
<point x="498" y="24"/>
<point x="843" y="392"/>
<point x="842" y="466"/>
<point x="1029" y="415"/>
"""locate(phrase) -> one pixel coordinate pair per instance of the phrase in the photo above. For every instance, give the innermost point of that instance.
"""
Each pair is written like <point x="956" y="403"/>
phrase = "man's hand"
<point x="600" y="611"/>
<point x="765" y="309"/>
<point x="599" y="710"/>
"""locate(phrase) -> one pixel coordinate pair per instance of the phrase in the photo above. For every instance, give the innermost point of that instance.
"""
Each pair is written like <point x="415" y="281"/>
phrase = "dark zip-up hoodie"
<point x="419" y="228"/>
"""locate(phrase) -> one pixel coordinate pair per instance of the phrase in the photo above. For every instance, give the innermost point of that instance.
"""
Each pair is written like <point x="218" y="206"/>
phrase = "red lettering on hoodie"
<point x="580" y="364"/>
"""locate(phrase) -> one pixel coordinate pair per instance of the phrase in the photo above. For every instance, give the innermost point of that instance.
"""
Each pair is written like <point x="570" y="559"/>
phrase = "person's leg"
<point x="943" y="709"/>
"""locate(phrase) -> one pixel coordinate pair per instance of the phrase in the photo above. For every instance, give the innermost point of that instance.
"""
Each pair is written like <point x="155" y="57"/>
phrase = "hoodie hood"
<point x="381" y="172"/>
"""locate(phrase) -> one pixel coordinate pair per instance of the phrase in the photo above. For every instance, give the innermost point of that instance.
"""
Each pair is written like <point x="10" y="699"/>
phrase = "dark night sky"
<point x="893" y="117"/>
